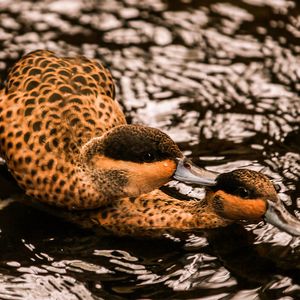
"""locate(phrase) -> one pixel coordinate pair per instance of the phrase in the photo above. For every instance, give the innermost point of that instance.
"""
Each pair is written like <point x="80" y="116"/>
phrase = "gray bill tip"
<point x="190" y="173"/>
<point x="278" y="216"/>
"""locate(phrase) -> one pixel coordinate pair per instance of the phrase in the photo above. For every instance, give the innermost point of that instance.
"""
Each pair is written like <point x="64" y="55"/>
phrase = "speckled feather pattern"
<point x="50" y="107"/>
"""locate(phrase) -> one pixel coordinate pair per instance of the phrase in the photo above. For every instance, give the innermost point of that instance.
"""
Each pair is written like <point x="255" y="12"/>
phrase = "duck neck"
<point x="85" y="193"/>
<point x="153" y="214"/>
<point x="101" y="184"/>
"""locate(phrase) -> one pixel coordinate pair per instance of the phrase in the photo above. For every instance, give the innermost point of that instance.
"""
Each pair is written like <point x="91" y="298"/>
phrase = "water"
<point x="222" y="78"/>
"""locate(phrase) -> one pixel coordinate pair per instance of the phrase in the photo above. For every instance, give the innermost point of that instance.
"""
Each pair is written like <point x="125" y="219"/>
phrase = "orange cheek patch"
<point x="236" y="208"/>
<point x="149" y="176"/>
<point x="142" y="177"/>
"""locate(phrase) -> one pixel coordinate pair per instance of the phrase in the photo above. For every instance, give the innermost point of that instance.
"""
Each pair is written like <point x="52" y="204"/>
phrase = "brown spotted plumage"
<point x="50" y="107"/>
<point x="66" y="142"/>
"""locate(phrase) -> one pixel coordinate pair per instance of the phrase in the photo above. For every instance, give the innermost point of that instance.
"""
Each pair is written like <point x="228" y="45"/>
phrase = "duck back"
<point x="49" y="108"/>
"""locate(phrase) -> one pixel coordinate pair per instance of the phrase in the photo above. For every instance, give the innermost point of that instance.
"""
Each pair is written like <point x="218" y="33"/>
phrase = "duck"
<point x="67" y="144"/>
<point x="237" y="196"/>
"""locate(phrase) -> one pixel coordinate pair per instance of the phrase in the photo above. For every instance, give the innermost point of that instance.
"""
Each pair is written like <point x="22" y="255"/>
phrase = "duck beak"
<point x="187" y="172"/>
<point x="278" y="216"/>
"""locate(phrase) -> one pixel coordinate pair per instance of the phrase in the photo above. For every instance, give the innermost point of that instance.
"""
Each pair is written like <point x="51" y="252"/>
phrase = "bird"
<point x="238" y="195"/>
<point x="66" y="142"/>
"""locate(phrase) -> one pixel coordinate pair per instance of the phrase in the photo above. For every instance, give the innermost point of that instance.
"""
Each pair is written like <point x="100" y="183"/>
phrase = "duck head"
<point x="130" y="160"/>
<point x="248" y="195"/>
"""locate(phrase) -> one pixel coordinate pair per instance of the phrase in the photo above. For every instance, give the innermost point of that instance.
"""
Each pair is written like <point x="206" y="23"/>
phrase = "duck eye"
<point x="148" y="157"/>
<point x="242" y="192"/>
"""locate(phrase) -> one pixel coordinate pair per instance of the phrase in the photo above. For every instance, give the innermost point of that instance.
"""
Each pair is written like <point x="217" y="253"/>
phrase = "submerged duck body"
<point x="67" y="144"/>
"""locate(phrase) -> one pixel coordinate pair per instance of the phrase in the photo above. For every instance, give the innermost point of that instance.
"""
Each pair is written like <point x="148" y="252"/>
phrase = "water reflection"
<point x="223" y="80"/>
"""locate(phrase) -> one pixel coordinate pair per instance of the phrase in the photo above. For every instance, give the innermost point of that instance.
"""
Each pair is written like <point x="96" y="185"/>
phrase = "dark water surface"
<point x="223" y="79"/>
